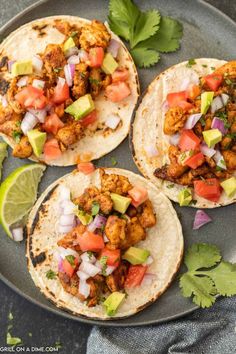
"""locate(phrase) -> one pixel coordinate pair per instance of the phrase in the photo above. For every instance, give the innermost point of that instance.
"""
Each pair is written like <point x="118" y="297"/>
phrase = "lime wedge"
<point x="3" y="155"/>
<point x="18" y="193"/>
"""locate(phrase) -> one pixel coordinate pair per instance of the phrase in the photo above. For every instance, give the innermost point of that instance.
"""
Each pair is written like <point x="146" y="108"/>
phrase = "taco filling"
<point x="49" y="103"/>
<point x="98" y="258"/>
<point x="201" y="125"/>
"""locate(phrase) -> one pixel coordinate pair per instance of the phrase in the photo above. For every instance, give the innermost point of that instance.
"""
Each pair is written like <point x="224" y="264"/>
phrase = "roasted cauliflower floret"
<point x="147" y="217"/>
<point x="115" y="231"/>
<point x="114" y="183"/>
<point x="94" y="34"/>
<point x="134" y="233"/>
<point x="175" y="119"/>
<point x="23" y="149"/>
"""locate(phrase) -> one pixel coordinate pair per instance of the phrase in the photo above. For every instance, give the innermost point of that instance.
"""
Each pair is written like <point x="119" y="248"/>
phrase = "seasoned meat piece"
<point x="105" y="202"/>
<point x="231" y="116"/>
<point x="94" y="35"/>
<point x="23" y="149"/>
<point x="208" y="122"/>
<point x="116" y="280"/>
<point x="210" y="162"/>
<point x="230" y="159"/>
<point x="131" y="211"/>
<point x="106" y="81"/>
<point x="233" y="128"/>
<point x="59" y="110"/>
<point x="226" y="142"/>
<point x="114" y="183"/>
<point x="175" y="119"/>
<point x="95" y="80"/>
<point x="70" y="285"/>
<point x="53" y="58"/>
<point x="189" y="177"/>
<point x="12" y="91"/>
<point x="228" y="69"/>
<point x="175" y="169"/>
<point x="162" y="173"/>
<point x="81" y="77"/>
<point x="10" y="127"/>
<point x="70" y="239"/>
<point x="134" y="234"/>
<point x="198" y="129"/>
<point x="115" y="231"/>
<point x="147" y="218"/>
<point x="222" y="174"/>
<point x="70" y="133"/>
<point x="92" y="194"/>
<point x="3" y="63"/>
<point x="94" y="293"/>
<point x="65" y="28"/>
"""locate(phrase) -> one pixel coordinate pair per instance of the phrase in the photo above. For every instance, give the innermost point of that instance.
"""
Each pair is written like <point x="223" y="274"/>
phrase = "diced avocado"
<point x="69" y="43"/>
<point x="22" y="68"/>
<point x="81" y="107"/>
<point x="229" y="186"/>
<point x="84" y="217"/>
<point x="112" y="302"/>
<point x="109" y="64"/>
<point x="206" y="99"/>
<point x="212" y="137"/>
<point x="120" y="203"/>
<point x="136" y="255"/>
<point x="185" y="197"/>
<point x="37" y="140"/>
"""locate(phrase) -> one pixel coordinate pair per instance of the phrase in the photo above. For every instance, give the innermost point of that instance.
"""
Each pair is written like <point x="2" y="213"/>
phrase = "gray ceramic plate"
<point x="207" y="33"/>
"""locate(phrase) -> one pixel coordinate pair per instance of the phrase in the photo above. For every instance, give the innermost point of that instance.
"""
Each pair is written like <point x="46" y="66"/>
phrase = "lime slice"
<point x="18" y="193"/>
<point x="3" y="155"/>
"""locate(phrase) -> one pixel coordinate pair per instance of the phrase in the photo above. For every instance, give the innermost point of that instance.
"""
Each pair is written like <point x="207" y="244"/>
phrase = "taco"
<point x="68" y="88"/>
<point x="103" y="245"/>
<point x="183" y="135"/>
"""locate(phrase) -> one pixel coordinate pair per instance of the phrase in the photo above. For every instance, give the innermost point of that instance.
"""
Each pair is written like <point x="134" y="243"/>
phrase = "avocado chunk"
<point x="212" y="137"/>
<point x="37" y="140"/>
<point x="206" y="99"/>
<point x="81" y="107"/>
<point x="22" y="68"/>
<point x="109" y="64"/>
<point x="84" y="217"/>
<point x="229" y="186"/>
<point x="120" y="203"/>
<point x="69" y="43"/>
<point x="185" y="197"/>
<point x="112" y="302"/>
<point x="135" y="255"/>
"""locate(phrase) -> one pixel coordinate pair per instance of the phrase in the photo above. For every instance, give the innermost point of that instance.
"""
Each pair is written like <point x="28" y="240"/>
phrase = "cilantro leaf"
<point x="51" y="274"/>
<point x="119" y="27"/>
<point x="201" y="255"/>
<point x="71" y="259"/>
<point x="113" y="161"/>
<point x="13" y="340"/>
<point x="125" y="11"/>
<point x="147" y="25"/>
<point x="144" y="57"/>
<point x="10" y="316"/>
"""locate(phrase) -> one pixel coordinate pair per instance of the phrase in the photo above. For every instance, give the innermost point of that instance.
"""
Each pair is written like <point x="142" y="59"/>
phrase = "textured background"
<point x="48" y="329"/>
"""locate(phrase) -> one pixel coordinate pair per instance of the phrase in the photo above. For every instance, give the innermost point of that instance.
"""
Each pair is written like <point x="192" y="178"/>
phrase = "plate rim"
<point x="56" y="310"/>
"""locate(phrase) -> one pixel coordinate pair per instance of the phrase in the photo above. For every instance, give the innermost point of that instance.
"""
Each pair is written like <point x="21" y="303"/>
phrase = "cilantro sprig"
<point x="148" y="33"/>
<point x="208" y="275"/>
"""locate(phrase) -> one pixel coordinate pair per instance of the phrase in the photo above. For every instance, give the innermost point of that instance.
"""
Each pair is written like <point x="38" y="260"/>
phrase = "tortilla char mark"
<point x="40" y="258"/>
<point x="4" y="85"/>
<point x="40" y="30"/>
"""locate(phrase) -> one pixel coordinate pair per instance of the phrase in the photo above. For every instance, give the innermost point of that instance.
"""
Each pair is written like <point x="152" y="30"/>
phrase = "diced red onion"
<point x="23" y="81"/>
<point x="83" y="276"/>
<point x="72" y="51"/>
<point x="69" y="71"/>
<point x="105" y="238"/>
<point x="67" y="220"/>
<point x="113" y="47"/>
<point x="65" y="229"/>
<point x="149" y="260"/>
<point x="84" y="288"/>
<point x="17" y="234"/>
<point x="83" y="55"/>
<point x="219" y="159"/>
<point x="64" y="193"/>
<point x="216" y="104"/>
<point x="165" y="106"/>
<point x="201" y="218"/>
<point x="74" y="59"/>
<point x="109" y="270"/>
<point x="60" y="265"/>
<point x="9" y="65"/>
<point x="185" y="84"/>
<point x="112" y="122"/>
<point x="40" y="114"/>
<point x="86" y="257"/>
<point x="89" y="269"/>
<point x="151" y="150"/>
<point x="174" y="139"/>
<point x="38" y="83"/>
<point x="97" y="223"/>
<point x="217" y="123"/>
<point x="224" y="98"/>
<point x="37" y="63"/>
<point x="209" y="152"/>
<point x="63" y="252"/>
<point x="148" y="279"/>
<point x="78" y="222"/>
<point x="192" y="120"/>
<point x="28" y="123"/>
<point x="4" y="101"/>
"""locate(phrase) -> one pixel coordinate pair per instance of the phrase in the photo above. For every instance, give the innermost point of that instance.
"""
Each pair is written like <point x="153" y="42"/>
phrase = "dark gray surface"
<point x="47" y="328"/>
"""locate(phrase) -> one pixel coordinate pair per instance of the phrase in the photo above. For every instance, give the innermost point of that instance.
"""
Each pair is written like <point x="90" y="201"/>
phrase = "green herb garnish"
<point x="190" y="63"/>
<point x="58" y="345"/>
<point x="57" y="70"/>
<point x="193" y="202"/>
<point x="169" y="186"/>
<point x="82" y="75"/>
<point x="74" y="34"/>
<point x="13" y="340"/>
<point x="94" y="81"/>
<point x="71" y="260"/>
<point x="208" y="275"/>
<point x="213" y="68"/>
<point x="16" y="136"/>
<point x="30" y="334"/>
<point x="95" y="208"/>
<point x="204" y="65"/>
<point x="231" y="135"/>
<point x="223" y="116"/>
<point x="228" y="81"/>
<point x="103" y="262"/>
<point x="113" y="161"/>
<point x="202" y="121"/>
<point x="10" y="316"/>
<point x="51" y="274"/>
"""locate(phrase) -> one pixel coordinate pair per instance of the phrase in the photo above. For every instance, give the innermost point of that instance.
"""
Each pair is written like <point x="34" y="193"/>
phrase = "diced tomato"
<point x="89" y="119"/>
<point x="188" y="140"/>
<point x="139" y="195"/>
<point x="213" y="81"/>
<point x="52" y="124"/>
<point x="68" y="268"/>
<point x="174" y="98"/>
<point x="121" y="74"/>
<point x="195" y="160"/>
<point x="86" y="167"/>
<point x="113" y="256"/>
<point x="185" y="105"/>
<point x="209" y="189"/>
<point x="61" y="93"/>
<point x="51" y="149"/>
<point x="193" y="92"/>
<point x="96" y="56"/>
<point x="31" y="97"/>
<point x="89" y="241"/>
<point x="117" y="91"/>
<point x="135" y="276"/>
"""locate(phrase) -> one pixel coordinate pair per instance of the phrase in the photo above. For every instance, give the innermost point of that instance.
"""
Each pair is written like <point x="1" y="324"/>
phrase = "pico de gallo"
<point x="49" y="102"/>
<point x="98" y="255"/>
<point x="200" y="123"/>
